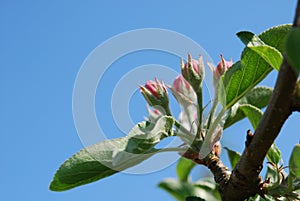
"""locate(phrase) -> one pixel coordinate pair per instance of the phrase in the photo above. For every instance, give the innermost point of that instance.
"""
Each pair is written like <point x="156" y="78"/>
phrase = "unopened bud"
<point x="223" y="66"/>
<point x="156" y="94"/>
<point x="183" y="91"/>
<point x="193" y="71"/>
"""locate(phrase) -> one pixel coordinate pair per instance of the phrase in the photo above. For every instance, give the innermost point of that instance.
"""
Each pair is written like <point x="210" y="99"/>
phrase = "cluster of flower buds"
<point x="193" y="71"/>
<point x="156" y="95"/>
<point x="185" y="88"/>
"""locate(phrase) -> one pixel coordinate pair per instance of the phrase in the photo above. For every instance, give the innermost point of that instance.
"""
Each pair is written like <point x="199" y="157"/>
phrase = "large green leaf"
<point x="254" y="65"/>
<point x="183" y="169"/>
<point x="205" y="189"/>
<point x="294" y="162"/>
<point x="234" y="157"/>
<point x="111" y="156"/>
<point x="258" y="96"/>
<point x="271" y="55"/>
<point x="293" y="48"/>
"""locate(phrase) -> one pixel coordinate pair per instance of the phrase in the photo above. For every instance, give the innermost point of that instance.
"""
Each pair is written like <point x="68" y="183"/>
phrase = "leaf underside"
<point x="111" y="156"/>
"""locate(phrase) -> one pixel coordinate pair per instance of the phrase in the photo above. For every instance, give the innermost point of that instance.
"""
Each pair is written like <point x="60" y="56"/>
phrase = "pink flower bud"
<point x="183" y="91"/>
<point x="156" y="94"/>
<point x="180" y="84"/>
<point x="223" y="66"/>
<point x="193" y="72"/>
<point x="194" y="63"/>
<point x="152" y="87"/>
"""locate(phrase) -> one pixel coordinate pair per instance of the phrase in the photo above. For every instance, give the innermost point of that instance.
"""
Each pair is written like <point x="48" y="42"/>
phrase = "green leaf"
<point x="258" y="96"/>
<point x="183" y="169"/>
<point x="249" y="39"/>
<point x="252" y="68"/>
<point x="293" y="48"/>
<point x="209" y="184"/>
<point x="274" y="154"/>
<point x="179" y="190"/>
<point x="234" y="157"/>
<point x="271" y="55"/>
<point x="294" y="163"/>
<point x="111" y="156"/>
<point x="182" y="190"/>
<point x="253" y="113"/>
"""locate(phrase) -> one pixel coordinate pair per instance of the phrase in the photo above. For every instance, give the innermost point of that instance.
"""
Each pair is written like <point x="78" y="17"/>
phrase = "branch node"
<point x="249" y="138"/>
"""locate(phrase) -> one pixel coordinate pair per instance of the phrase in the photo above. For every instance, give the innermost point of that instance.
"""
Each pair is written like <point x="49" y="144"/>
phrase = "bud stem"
<point x="200" y="109"/>
<point x="168" y="111"/>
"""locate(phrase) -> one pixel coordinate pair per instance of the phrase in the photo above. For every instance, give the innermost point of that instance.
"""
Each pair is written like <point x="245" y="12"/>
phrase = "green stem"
<point x="168" y="111"/>
<point x="290" y="182"/>
<point x="200" y="108"/>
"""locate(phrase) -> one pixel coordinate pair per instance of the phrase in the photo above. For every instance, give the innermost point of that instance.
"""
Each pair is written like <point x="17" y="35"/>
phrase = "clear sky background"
<point x="44" y="43"/>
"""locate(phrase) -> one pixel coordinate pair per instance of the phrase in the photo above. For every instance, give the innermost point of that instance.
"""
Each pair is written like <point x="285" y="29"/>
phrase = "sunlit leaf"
<point x="274" y="154"/>
<point x="271" y="55"/>
<point x="253" y="67"/>
<point x="183" y="169"/>
<point x="111" y="156"/>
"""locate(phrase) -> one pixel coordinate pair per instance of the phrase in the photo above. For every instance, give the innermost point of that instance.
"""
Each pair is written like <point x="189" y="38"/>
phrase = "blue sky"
<point x="43" y="45"/>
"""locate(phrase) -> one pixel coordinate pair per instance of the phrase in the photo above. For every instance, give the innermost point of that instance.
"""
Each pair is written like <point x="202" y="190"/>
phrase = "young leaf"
<point x="183" y="169"/>
<point x="252" y="68"/>
<point x="273" y="154"/>
<point x="253" y="113"/>
<point x="234" y="157"/>
<point x="294" y="163"/>
<point x="258" y="96"/>
<point x="293" y="48"/>
<point x="111" y="156"/>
